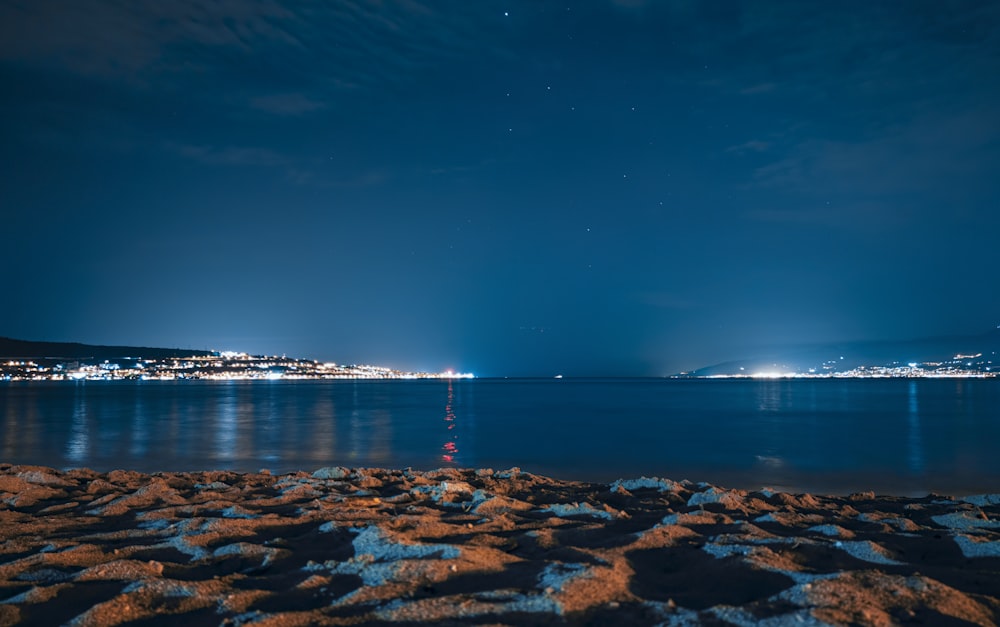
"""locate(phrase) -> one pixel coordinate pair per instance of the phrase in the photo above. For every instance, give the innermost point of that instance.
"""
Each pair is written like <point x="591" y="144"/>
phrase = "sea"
<point x="892" y="436"/>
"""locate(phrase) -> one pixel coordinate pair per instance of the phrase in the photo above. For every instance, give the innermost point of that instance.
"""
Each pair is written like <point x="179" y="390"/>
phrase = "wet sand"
<point x="457" y="547"/>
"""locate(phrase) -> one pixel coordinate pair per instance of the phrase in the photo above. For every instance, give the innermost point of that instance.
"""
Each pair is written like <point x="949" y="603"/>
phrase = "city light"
<point x="222" y="366"/>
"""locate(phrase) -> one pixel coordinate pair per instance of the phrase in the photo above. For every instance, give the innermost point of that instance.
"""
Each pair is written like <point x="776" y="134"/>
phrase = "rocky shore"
<point x="454" y="547"/>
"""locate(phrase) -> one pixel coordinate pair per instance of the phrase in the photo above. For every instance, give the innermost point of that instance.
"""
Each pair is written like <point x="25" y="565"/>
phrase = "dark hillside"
<point x="24" y="349"/>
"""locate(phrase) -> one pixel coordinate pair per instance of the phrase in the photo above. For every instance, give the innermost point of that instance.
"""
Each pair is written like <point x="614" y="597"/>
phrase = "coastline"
<point x="344" y="546"/>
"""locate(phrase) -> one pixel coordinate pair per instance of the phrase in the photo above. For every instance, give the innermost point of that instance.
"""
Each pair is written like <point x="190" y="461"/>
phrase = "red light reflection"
<point x="450" y="447"/>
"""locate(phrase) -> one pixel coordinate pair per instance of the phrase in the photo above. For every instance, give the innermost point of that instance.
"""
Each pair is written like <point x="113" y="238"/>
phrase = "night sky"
<point x="509" y="188"/>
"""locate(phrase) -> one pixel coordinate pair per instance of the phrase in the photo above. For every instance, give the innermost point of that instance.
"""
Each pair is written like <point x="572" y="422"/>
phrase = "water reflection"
<point x="768" y="432"/>
<point x="915" y="441"/>
<point x="246" y="408"/>
<point x="450" y="447"/>
<point x="380" y="438"/>
<point x="369" y="426"/>
<point x="769" y="396"/>
<point x="21" y="429"/>
<point x="356" y="442"/>
<point x="268" y="449"/>
<point x="771" y="403"/>
<point x="225" y="431"/>
<point x="173" y="422"/>
<point x="10" y="429"/>
<point x="323" y="438"/>
<point x="916" y="457"/>
<point x="140" y="428"/>
<point x="79" y="440"/>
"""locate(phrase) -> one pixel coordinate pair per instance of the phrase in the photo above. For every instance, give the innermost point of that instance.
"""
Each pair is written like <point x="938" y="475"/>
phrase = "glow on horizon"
<point x="770" y="375"/>
<point x="448" y="374"/>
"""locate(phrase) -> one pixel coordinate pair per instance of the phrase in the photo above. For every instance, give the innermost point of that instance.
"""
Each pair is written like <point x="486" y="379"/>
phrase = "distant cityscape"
<point x="22" y="360"/>
<point x="225" y="366"/>
<point x="972" y="356"/>
<point x="242" y="366"/>
<point x="960" y="366"/>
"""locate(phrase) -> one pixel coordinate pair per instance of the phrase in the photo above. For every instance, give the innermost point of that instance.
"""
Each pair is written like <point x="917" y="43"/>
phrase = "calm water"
<point x="900" y="436"/>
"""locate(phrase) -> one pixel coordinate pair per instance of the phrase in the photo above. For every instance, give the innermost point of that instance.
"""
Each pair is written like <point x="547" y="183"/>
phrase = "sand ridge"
<point x="346" y="546"/>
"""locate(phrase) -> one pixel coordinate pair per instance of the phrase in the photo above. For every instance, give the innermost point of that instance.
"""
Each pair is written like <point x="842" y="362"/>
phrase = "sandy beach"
<point x="371" y="546"/>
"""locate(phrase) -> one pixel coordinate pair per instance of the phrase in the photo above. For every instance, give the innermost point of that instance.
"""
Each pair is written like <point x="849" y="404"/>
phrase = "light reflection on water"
<point x="770" y="399"/>
<point x="225" y="441"/>
<point x="140" y="429"/>
<point x="450" y="446"/>
<point x="79" y="442"/>
<point x="356" y="432"/>
<point x="906" y="435"/>
<point x="916" y="444"/>
<point x="323" y="440"/>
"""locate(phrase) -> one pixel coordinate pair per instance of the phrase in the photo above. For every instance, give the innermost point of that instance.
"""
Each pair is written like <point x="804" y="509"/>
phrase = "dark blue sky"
<point x="509" y="188"/>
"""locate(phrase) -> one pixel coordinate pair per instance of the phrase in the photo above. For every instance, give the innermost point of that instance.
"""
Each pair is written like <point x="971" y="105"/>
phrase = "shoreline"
<point x="820" y="483"/>
<point x="341" y="546"/>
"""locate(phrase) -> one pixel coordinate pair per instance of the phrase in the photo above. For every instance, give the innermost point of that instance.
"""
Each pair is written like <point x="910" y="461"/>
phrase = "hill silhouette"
<point x="841" y="356"/>
<point x="25" y="349"/>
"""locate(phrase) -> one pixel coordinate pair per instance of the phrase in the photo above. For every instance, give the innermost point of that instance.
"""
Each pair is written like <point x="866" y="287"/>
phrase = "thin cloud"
<point x="229" y="155"/>
<point x="287" y="104"/>
<point x="665" y="300"/>
<point x="875" y="217"/>
<point x="754" y="145"/>
<point x="295" y="171"/>
<point x="890" y="52"/>
<point x="358" y="42"/>
<point x="113" y="40"/>
<point x="364" y="179"/>
<point x="310" y="177"/>
<point x="759" y="88"/>
<point x="906" y="158"/>
<point x="630" y="4"/>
